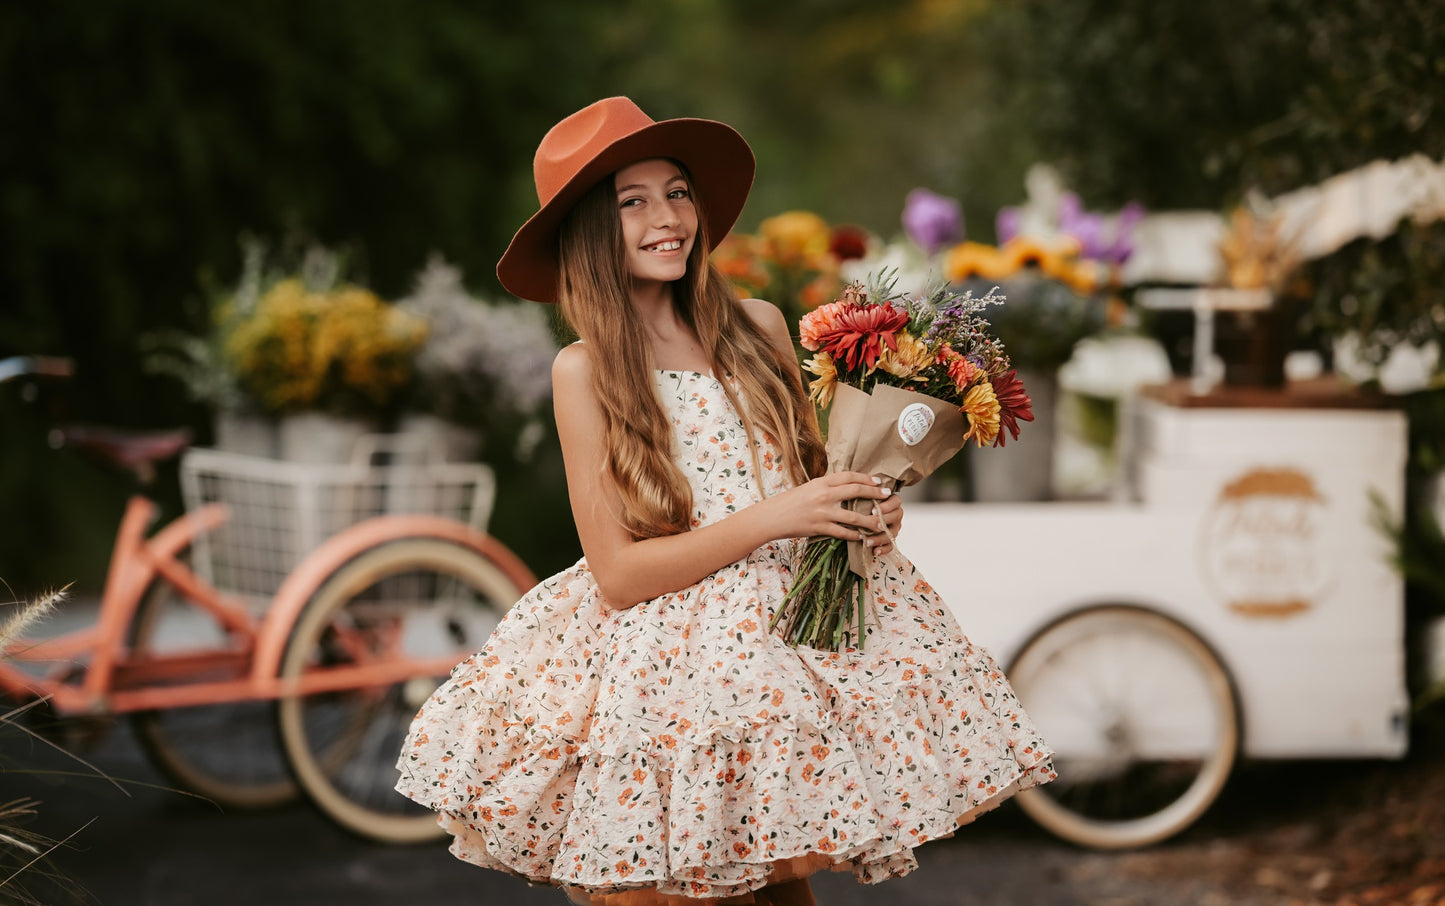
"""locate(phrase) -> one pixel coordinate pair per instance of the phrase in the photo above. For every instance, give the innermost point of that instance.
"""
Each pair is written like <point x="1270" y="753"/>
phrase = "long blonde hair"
<point x="595" y="301"/>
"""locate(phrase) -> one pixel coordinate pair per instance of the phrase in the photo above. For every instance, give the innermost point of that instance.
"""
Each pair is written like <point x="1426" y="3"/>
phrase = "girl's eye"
<point x="678" y="194"/>
<point x="631" y="202"/>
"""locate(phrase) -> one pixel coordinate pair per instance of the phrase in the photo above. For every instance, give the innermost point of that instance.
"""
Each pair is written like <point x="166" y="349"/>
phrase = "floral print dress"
<point x="681" y="747"/>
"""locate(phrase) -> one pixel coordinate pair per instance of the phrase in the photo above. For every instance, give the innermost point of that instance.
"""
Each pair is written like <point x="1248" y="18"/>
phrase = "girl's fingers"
<point x="859" y="484"/>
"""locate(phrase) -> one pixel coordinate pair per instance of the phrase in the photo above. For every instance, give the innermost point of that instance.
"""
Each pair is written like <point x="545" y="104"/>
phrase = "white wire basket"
<point x="280" y="511"/>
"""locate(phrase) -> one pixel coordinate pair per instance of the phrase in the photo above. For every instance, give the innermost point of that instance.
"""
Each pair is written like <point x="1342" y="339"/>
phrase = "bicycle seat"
<point x="136" y="452"/>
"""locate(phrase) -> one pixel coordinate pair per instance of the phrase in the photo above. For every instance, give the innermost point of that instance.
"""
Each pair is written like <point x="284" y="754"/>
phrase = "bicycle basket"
<point x="280" y="511"/>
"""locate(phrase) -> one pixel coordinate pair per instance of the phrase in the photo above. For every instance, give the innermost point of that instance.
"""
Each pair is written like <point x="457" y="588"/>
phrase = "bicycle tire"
<point x="228" y="753"/>
<point x="1144" y="719"/>
<point x="343" y="746"/>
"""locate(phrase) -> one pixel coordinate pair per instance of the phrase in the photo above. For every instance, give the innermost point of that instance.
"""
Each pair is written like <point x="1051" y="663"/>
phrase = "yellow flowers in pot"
<point x="339" y="349"/>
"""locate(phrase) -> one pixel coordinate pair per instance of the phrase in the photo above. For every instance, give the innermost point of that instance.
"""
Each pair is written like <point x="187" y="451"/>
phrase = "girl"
<point x="632" y="731"/>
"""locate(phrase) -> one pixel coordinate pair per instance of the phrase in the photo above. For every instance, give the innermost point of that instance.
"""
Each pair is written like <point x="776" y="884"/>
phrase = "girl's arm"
<point x="629" y="571"/>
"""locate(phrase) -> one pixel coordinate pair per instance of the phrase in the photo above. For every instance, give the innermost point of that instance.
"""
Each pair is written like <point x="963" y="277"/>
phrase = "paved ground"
<point x="154" y="847"/>
<point x="1291" y="833"/>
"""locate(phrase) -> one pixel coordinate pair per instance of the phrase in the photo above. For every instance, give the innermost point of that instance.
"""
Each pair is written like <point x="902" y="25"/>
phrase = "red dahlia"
<point x="1014" y="404"/>
<point x="858" y="334"/>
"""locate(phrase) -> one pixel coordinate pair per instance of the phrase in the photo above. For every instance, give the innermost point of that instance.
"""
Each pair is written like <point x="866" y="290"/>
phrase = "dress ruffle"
<point x="718" y="759"/>
<point x="681" y="745"/>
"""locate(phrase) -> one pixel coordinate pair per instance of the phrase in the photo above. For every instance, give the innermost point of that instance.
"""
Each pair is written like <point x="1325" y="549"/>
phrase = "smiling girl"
<point x="632" y="731"/>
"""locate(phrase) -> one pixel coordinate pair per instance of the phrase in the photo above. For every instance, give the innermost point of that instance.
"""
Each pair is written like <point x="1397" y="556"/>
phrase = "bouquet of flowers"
<point x="907" y="382"/>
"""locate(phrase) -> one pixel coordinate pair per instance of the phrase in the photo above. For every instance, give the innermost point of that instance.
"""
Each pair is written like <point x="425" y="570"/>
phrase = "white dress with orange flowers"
<point x="679" y="745"/>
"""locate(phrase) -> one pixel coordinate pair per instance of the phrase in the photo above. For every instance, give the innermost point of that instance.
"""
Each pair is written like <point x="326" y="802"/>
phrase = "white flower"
<point x="1114" y="366"/>
<point x="479" y="355"/>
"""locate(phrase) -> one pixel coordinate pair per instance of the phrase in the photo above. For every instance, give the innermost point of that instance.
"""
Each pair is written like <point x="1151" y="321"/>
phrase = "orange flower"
<point x="963" y="371"/>
<point x="981" y="408"/>
<point x="737" y="256"/>
<point x="818" y="322"/>
<point x="795" y="237"/>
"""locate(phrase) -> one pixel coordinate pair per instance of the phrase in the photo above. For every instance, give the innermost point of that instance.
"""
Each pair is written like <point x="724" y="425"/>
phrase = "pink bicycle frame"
<point x="116" y="681"/>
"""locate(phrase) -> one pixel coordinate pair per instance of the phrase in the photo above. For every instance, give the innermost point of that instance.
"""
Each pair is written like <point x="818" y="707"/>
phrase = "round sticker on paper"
<point x="914" y="422"/>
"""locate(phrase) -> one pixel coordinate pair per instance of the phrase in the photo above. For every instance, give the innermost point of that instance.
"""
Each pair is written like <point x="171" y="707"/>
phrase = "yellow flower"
<point x="341" y="349"/>
<point x="908" y="360"/>
<point x="820" y="389"/>
<point x="981" y="408"/>
<point x="796" y="237"/>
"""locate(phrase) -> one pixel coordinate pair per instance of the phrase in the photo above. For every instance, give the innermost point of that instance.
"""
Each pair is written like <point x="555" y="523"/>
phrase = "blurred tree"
<point x="848" y="105"/>
<point x="139" y="139"/>
<point x="1183" y="104"/>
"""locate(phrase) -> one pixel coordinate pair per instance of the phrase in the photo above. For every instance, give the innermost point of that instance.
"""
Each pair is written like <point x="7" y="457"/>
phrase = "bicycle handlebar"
<point x="21" y="366"/>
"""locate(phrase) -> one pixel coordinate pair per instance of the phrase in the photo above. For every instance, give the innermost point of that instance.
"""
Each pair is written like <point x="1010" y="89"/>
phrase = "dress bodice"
<point x="710" y="445"/>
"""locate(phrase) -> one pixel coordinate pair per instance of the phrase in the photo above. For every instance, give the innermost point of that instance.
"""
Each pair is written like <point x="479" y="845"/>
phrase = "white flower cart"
<point x="1240" y="604"/>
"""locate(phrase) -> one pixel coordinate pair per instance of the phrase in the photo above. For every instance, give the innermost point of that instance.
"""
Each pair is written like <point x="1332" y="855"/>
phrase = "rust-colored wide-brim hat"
<point x="595" y="142"/>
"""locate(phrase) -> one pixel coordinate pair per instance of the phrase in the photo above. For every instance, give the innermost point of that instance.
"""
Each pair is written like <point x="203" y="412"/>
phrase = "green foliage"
<point x="1183" y="104"/>
<point x="141" y="138"/>
<point x="1387" y="291"/>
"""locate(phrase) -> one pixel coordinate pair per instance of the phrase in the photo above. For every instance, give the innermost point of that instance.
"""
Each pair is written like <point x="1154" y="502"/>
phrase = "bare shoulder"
<point x="572" y="366"/>
<point x="766" y="315"/>
<point x="771" y="322"/>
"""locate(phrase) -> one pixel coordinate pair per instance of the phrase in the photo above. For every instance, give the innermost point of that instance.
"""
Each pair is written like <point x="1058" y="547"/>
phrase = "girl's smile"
<point x="659" y="221"/>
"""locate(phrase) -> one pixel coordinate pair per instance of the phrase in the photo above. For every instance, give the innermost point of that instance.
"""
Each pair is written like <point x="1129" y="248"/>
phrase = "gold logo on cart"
<point x="1262" y="545"/>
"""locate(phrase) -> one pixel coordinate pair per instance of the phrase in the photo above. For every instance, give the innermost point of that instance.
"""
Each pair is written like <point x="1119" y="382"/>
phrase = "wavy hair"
<point x="596" y="303"/>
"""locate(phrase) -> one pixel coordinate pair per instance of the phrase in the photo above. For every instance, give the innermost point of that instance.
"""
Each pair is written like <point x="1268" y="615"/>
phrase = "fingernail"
<point x="877" y="480"/>
<point x="887" y="491"/>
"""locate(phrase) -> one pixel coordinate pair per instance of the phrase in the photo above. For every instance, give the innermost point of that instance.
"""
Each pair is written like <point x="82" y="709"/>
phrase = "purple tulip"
<point x="1124" y="225"/>
<point x="931" y="220"/>
<point x="1006" y="223"/>
<point x="1070" y="207"/>
<point x="1089" y="230"/>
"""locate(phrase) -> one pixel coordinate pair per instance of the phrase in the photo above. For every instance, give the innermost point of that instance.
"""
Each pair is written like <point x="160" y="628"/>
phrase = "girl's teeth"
<point x="667" y="246"/>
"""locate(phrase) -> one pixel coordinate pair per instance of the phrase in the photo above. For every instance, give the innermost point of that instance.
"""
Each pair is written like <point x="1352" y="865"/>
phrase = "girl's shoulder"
<point x="764" y="313"/>
<point x="772" y="322"/>
<point x="572" y="365"/>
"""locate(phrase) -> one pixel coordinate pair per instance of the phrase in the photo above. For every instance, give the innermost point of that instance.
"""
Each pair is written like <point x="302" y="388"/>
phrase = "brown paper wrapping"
<point x="864" y="436"/>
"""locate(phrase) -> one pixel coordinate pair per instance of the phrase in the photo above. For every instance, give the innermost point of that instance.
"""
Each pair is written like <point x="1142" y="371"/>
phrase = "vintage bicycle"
<point x="251" y="694"/>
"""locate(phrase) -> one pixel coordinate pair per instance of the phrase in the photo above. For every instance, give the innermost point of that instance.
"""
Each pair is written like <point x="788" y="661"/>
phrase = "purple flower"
<point x="1122" y="247"/>
<point x="1006" y="224"/>
<point x="932" y="221"/>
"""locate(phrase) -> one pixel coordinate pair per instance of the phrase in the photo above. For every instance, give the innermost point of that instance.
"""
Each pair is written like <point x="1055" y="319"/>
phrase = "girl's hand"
<point x="889" y="514"/>
<point x="817" y="508"/>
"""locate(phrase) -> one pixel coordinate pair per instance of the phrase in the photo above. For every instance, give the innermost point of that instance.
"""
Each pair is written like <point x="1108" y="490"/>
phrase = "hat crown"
<point x="575" y="141"/>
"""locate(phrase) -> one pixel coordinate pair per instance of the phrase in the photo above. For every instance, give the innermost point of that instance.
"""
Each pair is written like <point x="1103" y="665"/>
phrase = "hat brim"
<point x="722" y="168"/>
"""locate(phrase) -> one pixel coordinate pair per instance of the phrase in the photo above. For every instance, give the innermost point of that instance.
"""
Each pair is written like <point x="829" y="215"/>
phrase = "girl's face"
<point x="659" y="222"/>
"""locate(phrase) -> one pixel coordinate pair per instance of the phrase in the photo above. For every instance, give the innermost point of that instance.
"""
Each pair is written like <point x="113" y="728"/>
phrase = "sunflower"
<point x="820" y="389"/>
<point x="981" y="408"/>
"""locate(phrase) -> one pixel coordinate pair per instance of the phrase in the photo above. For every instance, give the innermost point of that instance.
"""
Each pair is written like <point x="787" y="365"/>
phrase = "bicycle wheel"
<point x="228" y="753"/>
<point x="409" y="599"/>
<point x="1143" y="719"/>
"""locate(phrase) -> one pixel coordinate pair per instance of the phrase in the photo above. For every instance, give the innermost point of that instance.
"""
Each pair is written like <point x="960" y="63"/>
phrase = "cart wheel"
<point x="228" y="753"/>
<point x="413" y="598"/>
<point x="1143" y="719"/>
